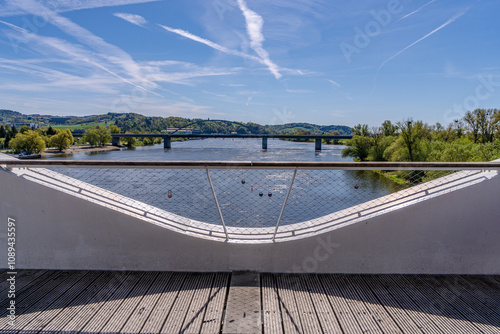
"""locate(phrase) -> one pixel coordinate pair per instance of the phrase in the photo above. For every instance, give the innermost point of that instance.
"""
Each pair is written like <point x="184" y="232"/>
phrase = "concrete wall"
<point x="456" y="233"/>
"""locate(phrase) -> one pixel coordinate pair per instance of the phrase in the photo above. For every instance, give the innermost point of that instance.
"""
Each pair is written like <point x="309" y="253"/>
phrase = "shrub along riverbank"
<point x="473" y="138"/>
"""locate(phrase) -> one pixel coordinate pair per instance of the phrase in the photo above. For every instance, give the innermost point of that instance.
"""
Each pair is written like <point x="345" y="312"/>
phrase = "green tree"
<point x="62" y="140"/>
<point x="130" y="141"/>
<point x="380" y="144"/>
<point x="412" y="140"/>
<point x="90" y="136"/>
<point x="114" y="129"/>
<point x="51" y="131"/>
<point x="389" y="129"/>
<point x="103" y="135"/>
<point x="30" y="141"/>
<point x="97" y="136"/>
<point x="3" y="133"/>
<point x="483" y="123"/>
<point x="358" y="148"/>
<point x="24" y="129"/>
<point x="361" y="130"/>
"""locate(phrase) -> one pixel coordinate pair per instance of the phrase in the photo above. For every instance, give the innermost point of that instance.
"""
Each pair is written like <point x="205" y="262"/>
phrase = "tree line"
<point x="474" y="137"/>
<point x="33" y="140"/>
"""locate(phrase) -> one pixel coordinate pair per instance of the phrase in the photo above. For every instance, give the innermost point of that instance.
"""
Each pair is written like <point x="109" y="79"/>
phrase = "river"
<point x="247" y="198"/>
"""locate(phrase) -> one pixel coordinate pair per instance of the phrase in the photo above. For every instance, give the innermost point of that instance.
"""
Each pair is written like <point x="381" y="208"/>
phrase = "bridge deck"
<point x="152" y="302"/>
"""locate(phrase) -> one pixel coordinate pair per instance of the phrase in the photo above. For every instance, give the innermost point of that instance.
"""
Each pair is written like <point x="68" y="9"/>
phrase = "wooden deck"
<point x="152" y="302"/>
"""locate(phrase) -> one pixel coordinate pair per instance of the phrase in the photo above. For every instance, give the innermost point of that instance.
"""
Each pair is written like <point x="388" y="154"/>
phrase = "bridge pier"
<point x="115" y="141"/>
<point x="264" y="143"/>
<point x="317" y="144"/>
<point x="167" y="142"/>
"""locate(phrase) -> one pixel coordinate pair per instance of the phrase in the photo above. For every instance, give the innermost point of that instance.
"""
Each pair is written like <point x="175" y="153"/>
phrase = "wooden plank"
<point x="448" y="319"/>
<point x="212" y="322"/>
<point x="372" y="303"/>
<point x="361" y="312"/>
<point x="28" y="287"/>
<point x="409" y="298"/>
<point x="21" y="277"/>
<point x="85" y="300"/>
<point x="42" y="318"/>
<point x="307" y="311"/>
<point x="109" y="307"/>
<point x="196" y="312"/>
<point x="491" y="280"/>
<point x="486" y="284"/>
<point x="48" y="292"/>
<point x="139" y="316"/>
<point x="486" y="302"/>
<point x="23" y="283"/>
<point x="288" y="305"/>
<point x="271" y="312"/>
<point x="457" y="302"/>
<point x="88" y="311"/>
<point x="345" y="316"/>
<point x="164" y="305"/>
<point x="243" y="308"/>
<point x="177" y="314"/>
<point x="129" y="303"/>
<point x="400" y="307"/>
<point x="326" y="315"/>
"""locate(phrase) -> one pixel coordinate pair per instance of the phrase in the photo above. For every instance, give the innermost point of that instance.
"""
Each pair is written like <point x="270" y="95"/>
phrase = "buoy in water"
<point x="169" y="194"/>
<point x="243" y="181"/>
<point x="269" y="194"/>
<point x="356" y="186"/>
<point x="261" y="194"/>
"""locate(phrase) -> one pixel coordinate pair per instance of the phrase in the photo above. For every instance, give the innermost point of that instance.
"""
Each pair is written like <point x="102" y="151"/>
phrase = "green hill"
<point x="132" y="122"/>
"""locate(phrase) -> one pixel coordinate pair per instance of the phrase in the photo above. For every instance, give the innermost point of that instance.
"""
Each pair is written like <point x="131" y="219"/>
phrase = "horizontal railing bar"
<point x="254" y="164"/>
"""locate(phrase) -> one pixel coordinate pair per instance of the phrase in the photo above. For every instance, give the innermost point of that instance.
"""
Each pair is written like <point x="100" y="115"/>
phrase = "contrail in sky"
<point x="453" y="19"/>
<point x="416" y="11"/>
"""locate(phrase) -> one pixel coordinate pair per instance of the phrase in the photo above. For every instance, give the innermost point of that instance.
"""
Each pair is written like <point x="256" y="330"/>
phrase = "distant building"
<point x="183" y="131"/>
<point x="31" y="125"/>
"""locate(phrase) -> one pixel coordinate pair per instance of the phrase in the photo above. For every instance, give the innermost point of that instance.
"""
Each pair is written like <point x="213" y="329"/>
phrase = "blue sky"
<point x="270" y="62"/>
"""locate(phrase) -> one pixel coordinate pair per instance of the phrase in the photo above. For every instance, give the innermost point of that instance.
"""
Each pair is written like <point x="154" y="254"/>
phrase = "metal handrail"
<point x="40" y="170"/>
<point x="254" y="164"/>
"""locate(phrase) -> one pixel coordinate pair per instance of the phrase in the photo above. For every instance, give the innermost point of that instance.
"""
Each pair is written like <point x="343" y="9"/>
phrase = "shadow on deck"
<point x="154" y="302"/>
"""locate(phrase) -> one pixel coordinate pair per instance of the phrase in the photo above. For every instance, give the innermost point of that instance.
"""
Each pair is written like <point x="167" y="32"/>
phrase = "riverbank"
<point x="78" y="149"/>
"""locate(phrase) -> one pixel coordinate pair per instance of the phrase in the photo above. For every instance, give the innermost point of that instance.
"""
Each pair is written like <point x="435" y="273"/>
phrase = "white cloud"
<point x="132" y="18"/>
<point x="214" y="45"/>
<point x="111" y="53"/>
<point x="254" y="24"/>
<point x="299" y="91"/>
<point x="77" y="57"/>
<point x="335" y="83"/>
<point x="11" y="8"/>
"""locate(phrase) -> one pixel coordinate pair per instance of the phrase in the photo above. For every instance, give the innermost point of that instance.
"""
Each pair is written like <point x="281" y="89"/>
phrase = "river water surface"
<point x="247" y="198"/>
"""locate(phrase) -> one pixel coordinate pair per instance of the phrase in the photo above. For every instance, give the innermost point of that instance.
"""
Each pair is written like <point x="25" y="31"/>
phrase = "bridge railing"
<point x="252" y="202"/>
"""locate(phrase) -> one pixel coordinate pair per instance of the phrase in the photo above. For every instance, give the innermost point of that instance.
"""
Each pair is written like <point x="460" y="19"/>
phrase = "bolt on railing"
<point x="251" y="201"/>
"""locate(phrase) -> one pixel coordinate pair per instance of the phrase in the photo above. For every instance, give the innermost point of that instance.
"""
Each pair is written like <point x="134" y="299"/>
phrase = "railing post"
<point x="264" y="143"/>
<point x="217" y="204"/>
<point x="284" y="204"/>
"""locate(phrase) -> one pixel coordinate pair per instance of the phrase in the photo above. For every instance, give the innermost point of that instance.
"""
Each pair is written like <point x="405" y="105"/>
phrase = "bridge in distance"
<point x="167" y="138"/>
